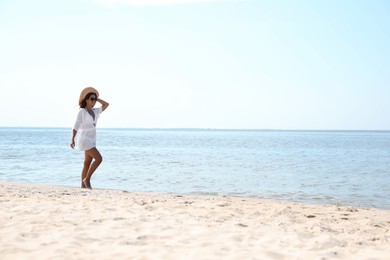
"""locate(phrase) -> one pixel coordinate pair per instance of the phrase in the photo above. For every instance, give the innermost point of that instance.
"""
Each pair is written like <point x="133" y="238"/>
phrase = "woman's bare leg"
<point x="93" y="153"/>
<point x="87" y="164"/>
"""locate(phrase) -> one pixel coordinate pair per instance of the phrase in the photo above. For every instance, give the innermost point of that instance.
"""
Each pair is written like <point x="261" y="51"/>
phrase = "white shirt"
<point x="86" y="124"/>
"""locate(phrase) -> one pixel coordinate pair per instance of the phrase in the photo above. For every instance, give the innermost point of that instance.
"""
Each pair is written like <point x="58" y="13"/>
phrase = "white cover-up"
<point x="86" y="128"/>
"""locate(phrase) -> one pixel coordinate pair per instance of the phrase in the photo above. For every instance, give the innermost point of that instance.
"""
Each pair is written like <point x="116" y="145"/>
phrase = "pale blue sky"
<point x="239" y="64"/>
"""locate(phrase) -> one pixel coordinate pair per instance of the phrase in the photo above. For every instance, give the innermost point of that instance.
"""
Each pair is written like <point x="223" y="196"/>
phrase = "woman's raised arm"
<point x="104" y="104"/>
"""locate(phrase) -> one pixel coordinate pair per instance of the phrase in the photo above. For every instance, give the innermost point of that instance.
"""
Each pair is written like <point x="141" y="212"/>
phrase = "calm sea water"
<point x="349" y="168"/>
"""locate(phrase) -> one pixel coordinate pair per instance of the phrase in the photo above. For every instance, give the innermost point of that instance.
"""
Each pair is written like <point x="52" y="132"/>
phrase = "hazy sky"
<point x="198" y="63"/>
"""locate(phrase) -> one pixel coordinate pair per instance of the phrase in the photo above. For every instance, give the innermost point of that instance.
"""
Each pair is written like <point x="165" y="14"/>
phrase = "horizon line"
<point x="208" y="129"/>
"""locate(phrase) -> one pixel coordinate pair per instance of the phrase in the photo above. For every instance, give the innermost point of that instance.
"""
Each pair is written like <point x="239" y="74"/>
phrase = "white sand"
<point x="41" y="222"/>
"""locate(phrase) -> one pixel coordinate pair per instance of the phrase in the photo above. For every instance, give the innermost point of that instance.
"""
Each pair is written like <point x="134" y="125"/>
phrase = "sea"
<point x="345" y="168"/>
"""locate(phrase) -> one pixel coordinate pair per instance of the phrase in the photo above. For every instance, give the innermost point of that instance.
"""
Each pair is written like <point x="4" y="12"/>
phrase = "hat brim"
<point x="86" y="91"/>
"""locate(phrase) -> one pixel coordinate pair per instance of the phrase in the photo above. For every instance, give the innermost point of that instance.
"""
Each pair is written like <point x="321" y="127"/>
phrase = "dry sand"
<point x="42" y="222"/>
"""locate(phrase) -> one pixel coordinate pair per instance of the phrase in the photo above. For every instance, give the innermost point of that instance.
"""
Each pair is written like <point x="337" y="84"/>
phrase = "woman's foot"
<point x="87" y="184"/>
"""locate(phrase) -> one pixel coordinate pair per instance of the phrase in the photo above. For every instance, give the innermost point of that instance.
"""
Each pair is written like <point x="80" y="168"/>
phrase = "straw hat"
<point x="85" y="92"/>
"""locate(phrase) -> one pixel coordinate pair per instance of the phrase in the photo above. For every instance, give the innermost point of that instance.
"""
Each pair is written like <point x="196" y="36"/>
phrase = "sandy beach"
<point x="47" y="222"/>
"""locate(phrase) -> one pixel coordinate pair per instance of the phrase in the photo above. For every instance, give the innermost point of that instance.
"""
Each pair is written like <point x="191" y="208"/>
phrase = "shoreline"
<point x="308" y="201"/>
<point x="39" y="221"/>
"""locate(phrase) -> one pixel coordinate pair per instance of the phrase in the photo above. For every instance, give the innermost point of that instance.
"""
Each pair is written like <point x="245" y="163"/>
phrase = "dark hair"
<point x="83" y="103"/>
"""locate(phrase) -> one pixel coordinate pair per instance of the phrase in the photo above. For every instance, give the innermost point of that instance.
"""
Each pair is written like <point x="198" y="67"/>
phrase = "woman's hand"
<point x="74" y="133"/>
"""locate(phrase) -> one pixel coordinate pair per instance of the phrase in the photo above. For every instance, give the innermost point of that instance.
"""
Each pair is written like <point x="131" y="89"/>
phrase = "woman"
<point x="86" y="122"/>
